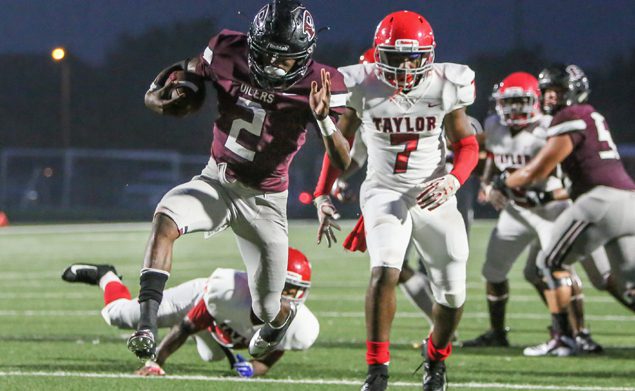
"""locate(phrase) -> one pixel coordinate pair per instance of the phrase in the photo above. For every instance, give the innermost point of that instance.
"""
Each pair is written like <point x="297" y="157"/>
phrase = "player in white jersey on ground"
<point x="402" y="101"/>
<point x="215" y="311"/>
<point x="513" y="136"/>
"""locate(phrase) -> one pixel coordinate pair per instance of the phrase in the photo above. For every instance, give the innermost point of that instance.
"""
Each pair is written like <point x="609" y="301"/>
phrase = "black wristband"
<point x="546" y="196"/>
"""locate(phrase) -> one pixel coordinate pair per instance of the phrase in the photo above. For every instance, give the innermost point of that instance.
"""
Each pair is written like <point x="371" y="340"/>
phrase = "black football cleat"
<point x="377" y="379"/>
<point x="434" y="372"/>
<point x="586" y="344"/>
<point x="87" y="273"/>
<point x="266" y="338"/>
<point x="434" y="377"/>
<point x="141" y="343"/>
<point x="490" y="338"/>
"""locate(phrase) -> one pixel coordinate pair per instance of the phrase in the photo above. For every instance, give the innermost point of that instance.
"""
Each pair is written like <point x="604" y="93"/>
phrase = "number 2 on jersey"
<point x="254" y="127"/>
<point x="411" y="141"/>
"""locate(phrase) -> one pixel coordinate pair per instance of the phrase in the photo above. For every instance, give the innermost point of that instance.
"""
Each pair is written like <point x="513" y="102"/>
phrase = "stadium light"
<point x="59" y="54"/>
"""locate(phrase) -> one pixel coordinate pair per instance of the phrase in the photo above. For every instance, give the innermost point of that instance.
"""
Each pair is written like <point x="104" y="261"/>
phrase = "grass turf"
<point x="52" y="336"/>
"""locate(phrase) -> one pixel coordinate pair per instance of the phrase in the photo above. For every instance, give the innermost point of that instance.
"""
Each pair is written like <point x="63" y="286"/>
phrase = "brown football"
<point x="190" y="85"/>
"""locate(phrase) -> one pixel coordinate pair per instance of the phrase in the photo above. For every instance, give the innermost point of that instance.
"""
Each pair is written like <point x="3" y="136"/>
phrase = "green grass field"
<point x="53" y="338"/>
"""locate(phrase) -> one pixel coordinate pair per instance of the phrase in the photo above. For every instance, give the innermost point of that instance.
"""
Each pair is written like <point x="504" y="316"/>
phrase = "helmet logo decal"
<point x="259" y="20"/>
<point x="308" y="26"/>
<point x="574" y="72"/>
<point x="277" y="46"/>
<point x="404" y="45"/>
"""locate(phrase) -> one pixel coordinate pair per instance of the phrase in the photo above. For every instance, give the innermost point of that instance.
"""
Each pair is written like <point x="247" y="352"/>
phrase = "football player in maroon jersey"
<point x="602" y="213"/>
<point x="269" y="91"/>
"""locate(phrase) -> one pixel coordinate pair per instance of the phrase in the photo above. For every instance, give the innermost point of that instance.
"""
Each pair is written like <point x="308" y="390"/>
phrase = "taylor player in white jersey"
<point x="513" y="136"/>
<point x="413" y="282"/>
<point x="215" y="311"/>
<point x="402" y="101"/>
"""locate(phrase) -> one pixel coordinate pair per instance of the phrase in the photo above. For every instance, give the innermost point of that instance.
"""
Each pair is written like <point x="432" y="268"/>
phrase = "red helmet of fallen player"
<point x="368" y="57"/>
<point x="518" y="99"/>
<point x="404" y="49"/>
<point x="298" y="280"/>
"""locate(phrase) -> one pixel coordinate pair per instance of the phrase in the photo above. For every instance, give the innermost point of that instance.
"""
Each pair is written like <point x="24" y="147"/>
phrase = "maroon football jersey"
<point x="594" y="160"/>
<point x="258" y="132"/>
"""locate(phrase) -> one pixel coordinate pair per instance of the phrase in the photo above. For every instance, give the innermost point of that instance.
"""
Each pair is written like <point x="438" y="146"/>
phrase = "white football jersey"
<point x="513" y="152"/>
<point x="228" y="300"/>
<point x="403" y="132"/>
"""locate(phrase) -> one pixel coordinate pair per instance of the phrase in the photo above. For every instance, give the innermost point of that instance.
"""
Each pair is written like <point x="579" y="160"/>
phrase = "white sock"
<point x="108" y="278"/>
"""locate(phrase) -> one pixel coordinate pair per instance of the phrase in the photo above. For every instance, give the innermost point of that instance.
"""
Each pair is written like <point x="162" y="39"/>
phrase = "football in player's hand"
<point x="188" y="90"/>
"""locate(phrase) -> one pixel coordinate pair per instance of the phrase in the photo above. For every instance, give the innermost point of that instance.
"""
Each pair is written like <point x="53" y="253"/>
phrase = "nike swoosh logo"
<point x="434" y="105"/>
<point x="75" y="267"/>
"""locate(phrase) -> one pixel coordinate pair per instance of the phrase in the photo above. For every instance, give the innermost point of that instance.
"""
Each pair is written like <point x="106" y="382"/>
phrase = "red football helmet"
<point x="368" y="57"/>
<point x="298" y="282"/>
<point x="518" y="99"/>
<point x="404" y="49"/>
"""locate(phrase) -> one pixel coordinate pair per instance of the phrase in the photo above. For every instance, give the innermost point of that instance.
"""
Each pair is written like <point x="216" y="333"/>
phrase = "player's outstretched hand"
<point x="150" y="368"/>
<point x="437" y="191"/>
<point x="327" y="214"/>
<point x="243" y="367"/>
<point x="320" y="98"/>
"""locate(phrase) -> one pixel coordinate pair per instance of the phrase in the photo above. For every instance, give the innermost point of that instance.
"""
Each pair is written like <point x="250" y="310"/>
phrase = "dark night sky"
<point x="588" y="32"/>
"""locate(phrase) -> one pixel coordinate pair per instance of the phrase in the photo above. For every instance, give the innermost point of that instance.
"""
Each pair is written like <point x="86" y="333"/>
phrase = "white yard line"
<point x="326" y="314"/>
<point x="73" y="228"/>
<point x="314" y="297"/>
<point x="345" y="382"/>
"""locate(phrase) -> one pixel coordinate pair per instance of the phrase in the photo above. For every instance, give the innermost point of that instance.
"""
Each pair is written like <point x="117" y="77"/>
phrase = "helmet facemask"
<point x="271" y="77"/>
<point x="280" y="32"/>
<point x="518" y="111"/>
<point x="295" y="288"/>
<point x="403" y="65"/>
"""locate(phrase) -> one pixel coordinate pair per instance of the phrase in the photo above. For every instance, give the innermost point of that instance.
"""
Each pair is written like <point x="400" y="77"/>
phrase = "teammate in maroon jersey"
<point x="604" y="194"/>
<point x="269" y="90"/>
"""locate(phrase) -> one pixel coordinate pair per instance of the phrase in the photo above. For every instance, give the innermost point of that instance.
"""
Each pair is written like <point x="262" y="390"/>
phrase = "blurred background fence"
<point x="111" y="184"/>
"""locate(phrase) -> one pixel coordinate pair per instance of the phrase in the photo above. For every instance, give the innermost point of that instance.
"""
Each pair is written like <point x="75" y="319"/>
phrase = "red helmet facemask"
<point x="404" y="49"/>
<point x="298" y="282"/>
<point x="518" y="100"/>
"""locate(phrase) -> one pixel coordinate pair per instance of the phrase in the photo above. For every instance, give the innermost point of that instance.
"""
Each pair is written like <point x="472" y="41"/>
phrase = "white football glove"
<point x="495" y="197"/>
<point x="150" y="368"/>
<point x="327" y="214"/>
<point x="437" y="191"/>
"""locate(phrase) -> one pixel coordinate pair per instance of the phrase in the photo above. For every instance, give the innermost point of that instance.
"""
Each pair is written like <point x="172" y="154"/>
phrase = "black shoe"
<point x="87" y="273"/>
<point x="586" y="344"/>
<point x="434" y="377"/>
<point x="377" y="379"/>
<point x="141" y="343"/>
<point x="490" y="338"/>
<point x="267" y="338"/>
